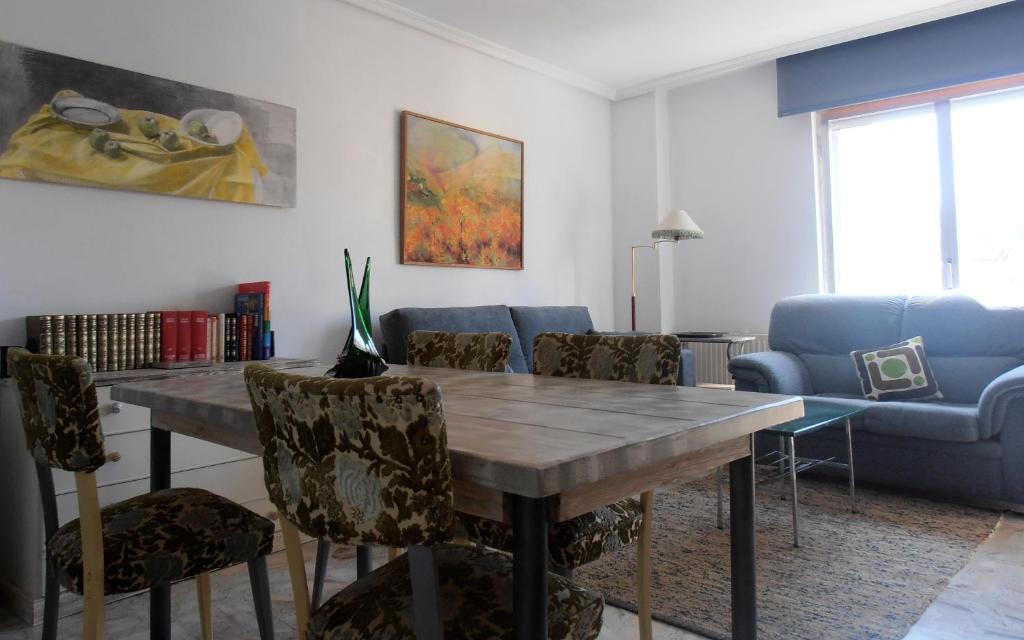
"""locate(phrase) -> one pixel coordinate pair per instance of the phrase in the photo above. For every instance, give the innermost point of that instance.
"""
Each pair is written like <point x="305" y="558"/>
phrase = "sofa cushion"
<point x="925" y="420"/>
<point x="835" y="324"/>
<point x="897" y="372"/>
<point x="963" y="378"/>
<point x="531" y="321"/>
<point x="957" y="325"/>
<point x="398" y="324"/>
<point x="831" y="373"/>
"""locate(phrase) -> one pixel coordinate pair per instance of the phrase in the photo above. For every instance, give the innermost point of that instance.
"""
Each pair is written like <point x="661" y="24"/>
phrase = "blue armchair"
<point x="970" y="445"/>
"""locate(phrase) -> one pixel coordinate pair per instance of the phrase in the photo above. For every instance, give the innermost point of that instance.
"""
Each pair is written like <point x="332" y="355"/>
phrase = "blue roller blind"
<point x="980" y="45"/>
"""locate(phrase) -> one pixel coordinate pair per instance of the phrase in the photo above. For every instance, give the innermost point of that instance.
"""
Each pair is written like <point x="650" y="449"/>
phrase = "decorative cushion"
<point x="355" y="461"/>
<point x="470" y="351"/>
<point x="164" y="536"/>
<point x="650" y="359"/>
<point x="57" y="399"/>
<point x="897" y="372"/>
<point x="476" y="601"/>
<point x="572" y="543"/>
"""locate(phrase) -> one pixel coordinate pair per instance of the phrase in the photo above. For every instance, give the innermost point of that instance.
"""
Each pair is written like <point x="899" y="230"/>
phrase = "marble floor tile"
<point x="984" y="600"/>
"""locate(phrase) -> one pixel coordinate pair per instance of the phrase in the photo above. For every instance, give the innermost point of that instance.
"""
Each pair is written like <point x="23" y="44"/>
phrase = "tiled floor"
<point x="985" y="600"/>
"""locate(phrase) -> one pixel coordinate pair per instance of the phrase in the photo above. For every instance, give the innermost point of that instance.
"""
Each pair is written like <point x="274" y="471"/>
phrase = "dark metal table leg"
<point x="792" y="491"/>
<point x="849" y="463"/>
<point x="742" y="535"/>
<point x="364" y="560"/>
<point x="159" y="478"/>
<point x="529" y="567"/>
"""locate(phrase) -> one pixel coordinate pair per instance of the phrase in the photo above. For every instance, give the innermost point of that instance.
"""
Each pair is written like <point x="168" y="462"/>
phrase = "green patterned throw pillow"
<point x="897" y="372"/>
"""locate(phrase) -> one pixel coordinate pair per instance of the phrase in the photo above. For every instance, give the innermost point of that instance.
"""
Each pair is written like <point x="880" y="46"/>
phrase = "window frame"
<point x="940" y="100"/>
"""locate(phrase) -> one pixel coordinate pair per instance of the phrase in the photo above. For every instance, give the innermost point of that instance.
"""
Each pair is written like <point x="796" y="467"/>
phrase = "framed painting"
<point x="462" y="196"/>
<point x="75" y="122"/>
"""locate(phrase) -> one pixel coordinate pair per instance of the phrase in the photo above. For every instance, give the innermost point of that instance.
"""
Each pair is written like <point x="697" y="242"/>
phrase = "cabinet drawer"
<point x="119" y="417"/>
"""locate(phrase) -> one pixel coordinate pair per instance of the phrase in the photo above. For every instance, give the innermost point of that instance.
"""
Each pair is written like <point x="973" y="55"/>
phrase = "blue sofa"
<point x="523" y="324"/>
<point x="968" y="446"/>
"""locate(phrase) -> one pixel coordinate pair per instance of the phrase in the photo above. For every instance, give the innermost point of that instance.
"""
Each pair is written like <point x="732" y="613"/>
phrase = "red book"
<point x="184" y="336"/>
<point x="169" y="336"/>
<point x="200" y="348"/>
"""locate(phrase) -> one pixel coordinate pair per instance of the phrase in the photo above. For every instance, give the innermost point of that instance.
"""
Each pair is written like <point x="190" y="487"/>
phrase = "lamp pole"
<point x="632" y="255"/>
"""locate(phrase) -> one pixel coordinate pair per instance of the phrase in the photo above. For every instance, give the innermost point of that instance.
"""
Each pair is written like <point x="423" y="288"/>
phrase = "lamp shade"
<point x="676" y="226"/>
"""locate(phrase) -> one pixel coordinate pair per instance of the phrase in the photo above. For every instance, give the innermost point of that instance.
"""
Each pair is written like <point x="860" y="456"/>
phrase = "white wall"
<point x="747" y="178"/>
<point x="348" y="73"/>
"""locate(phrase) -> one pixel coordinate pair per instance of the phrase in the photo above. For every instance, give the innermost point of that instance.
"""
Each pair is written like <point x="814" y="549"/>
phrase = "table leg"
<point x="364" y="560"/>
<point x="792" y="490"/>
<point x="159" y="478"/>
<point x="529" y="567"/>
<point x="849" y="462"/>
<point x="782" y="465"/>
<point x="743" y="554"/>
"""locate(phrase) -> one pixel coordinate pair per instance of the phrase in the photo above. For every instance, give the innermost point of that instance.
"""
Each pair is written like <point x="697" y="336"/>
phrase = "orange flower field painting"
<point x="462" y="196"/>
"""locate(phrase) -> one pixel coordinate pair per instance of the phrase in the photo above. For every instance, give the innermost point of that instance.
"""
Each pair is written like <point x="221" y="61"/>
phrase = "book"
<point x="129" y="341"/>
<point x="184" y="336"/>
<point x="158" y="335"/>
<point x="199" y="345"/>
<point x="252" y="304"/>
<point x="140" y="340"/>
<point x="230" y="337"/>
<point x="39" y="334"/>
<point x="90" y="324"/>
<point x="168" y="336"/>
<point x="81" y="337"/>
<point x="244" y="346"/>
<point x="211" y="343"/>
<point x="57" y="332"/>
<point x="221" y="337"/>
<point x="122" y="341"/>
<point x="71" y="335"/>
<point x="102" y="349"/>
<point x="262" y="287"/>
<point x="113" y="348"/>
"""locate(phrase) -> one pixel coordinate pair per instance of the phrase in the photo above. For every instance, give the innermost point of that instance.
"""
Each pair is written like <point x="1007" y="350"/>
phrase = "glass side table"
<point x="817" y="415"/>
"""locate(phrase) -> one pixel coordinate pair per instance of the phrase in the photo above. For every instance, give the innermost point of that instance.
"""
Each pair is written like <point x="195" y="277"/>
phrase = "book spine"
<point x="229" y="337"/>
<point x="81" y="337"/>
<point x="184" y="336"/>
<point x="211" y="346"/>
<point x="148" y="333"/>
<point x="169" y="336"/>
<point x="257" y="337"/>
<point x="129" y="341"/>
<point x="221" y="334"/>
<point x="246" y="347"/>
<point x="113" y="348"/>
<point x="157" y="336"/>
<point x="102" y="343"/>
<point x="198" y="344"/>
<point x="58" y="335"/>
<point x="90" y="328"/>
<point x="122" y="341"/>
<point x="70" y="335"/>
<point x="38" y="334"/>
<point x="140" y="340"/>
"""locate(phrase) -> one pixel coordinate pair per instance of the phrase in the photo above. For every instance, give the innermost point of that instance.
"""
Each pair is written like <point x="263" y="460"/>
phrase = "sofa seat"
<point x="925" y="420"/>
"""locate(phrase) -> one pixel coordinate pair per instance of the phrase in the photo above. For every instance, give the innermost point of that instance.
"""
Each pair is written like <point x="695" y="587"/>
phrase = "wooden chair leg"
<point x="297" y="570"/>
<point x="92" y="555"/>
<point x="205" y="613"/>
<point x="261" y="597"/>
<point x="323" y="556"/>
<point x="643" y="567"/>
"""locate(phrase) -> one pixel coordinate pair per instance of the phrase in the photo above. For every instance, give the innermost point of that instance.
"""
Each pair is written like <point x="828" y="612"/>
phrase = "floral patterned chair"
<point x="650" y="359"/>
<point x="138" y="543"/>
<point x="471" y="351"/>
<point x="365" y="461"/>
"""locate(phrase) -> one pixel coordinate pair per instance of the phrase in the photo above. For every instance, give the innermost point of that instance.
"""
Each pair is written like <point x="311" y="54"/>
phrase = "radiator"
<point x="711" y="359"/>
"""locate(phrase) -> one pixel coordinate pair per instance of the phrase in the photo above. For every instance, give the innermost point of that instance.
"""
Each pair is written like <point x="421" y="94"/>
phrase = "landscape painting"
<point x="74" y="122"/>
<point x="462" y="196"/>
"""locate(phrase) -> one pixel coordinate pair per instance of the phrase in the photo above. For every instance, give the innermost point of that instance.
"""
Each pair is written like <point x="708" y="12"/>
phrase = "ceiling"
<point x="622" y="47"/>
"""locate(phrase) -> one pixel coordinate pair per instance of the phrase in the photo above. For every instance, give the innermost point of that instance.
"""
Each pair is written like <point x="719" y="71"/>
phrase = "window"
<point x="925" y="193"/>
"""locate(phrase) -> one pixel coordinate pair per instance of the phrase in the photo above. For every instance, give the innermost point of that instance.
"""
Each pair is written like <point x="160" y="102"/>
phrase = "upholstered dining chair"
<point x="652" y="359"/>
<point x="471" y="351"/>
<point x="145" y="541"/>
<point x="365" y="461"/>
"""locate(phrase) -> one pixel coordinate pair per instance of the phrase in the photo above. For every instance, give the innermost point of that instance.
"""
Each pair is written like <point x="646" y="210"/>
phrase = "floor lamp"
<point x="674" y="227"/>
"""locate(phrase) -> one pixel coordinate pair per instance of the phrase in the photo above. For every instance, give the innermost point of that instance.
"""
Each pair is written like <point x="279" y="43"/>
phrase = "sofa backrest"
<point x="967" y="344"/>
<point x="396" y="326"/>
<point x="532" y="321"/>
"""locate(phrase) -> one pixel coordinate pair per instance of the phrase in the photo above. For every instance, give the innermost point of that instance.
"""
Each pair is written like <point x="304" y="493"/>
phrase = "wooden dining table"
<point x="527" y="450"/>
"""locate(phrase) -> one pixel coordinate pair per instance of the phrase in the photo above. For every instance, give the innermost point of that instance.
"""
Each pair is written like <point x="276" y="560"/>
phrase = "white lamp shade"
<point x="677" y="225"/>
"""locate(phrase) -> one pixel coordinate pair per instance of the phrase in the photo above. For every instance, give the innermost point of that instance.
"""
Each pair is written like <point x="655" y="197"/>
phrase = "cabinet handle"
<point x="116" y="407"/>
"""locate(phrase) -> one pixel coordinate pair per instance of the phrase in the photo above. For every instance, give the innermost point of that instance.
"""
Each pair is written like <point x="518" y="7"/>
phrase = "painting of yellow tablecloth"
<point x="47" y="148"/>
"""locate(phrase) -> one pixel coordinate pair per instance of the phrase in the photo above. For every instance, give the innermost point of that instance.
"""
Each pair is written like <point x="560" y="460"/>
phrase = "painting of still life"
<point x="462" y="196"/>
<point x="74" y="122"/>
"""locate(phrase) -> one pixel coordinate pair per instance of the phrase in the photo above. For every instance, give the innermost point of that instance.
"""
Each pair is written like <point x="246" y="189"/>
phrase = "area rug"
<point x="857" y="576"/>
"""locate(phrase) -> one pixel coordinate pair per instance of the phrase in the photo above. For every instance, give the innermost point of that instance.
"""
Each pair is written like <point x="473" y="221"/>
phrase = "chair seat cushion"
<point x="476" y="602"/>
<point x="164" y="536"/>
<point x="926" y="420"/>
<point x="575" y="542"/>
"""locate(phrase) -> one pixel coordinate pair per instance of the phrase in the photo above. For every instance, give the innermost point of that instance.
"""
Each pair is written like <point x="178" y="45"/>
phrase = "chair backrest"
<point x="471" y="351"/>
<point x="59" y="411"/>
<point x="650" y="359"/>
<point x="360" y="461"/>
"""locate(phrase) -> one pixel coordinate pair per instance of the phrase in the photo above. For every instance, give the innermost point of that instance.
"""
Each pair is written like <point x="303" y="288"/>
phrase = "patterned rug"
<point x="856" y="576"/>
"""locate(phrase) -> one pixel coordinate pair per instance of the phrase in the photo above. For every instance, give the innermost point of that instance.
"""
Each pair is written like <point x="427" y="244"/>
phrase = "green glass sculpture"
<point x="359" y="357"/>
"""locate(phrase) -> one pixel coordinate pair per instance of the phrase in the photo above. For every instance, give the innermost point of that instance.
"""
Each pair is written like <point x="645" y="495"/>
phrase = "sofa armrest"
<point x="1001" y="403"/>
<point x="771" y="372"/>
